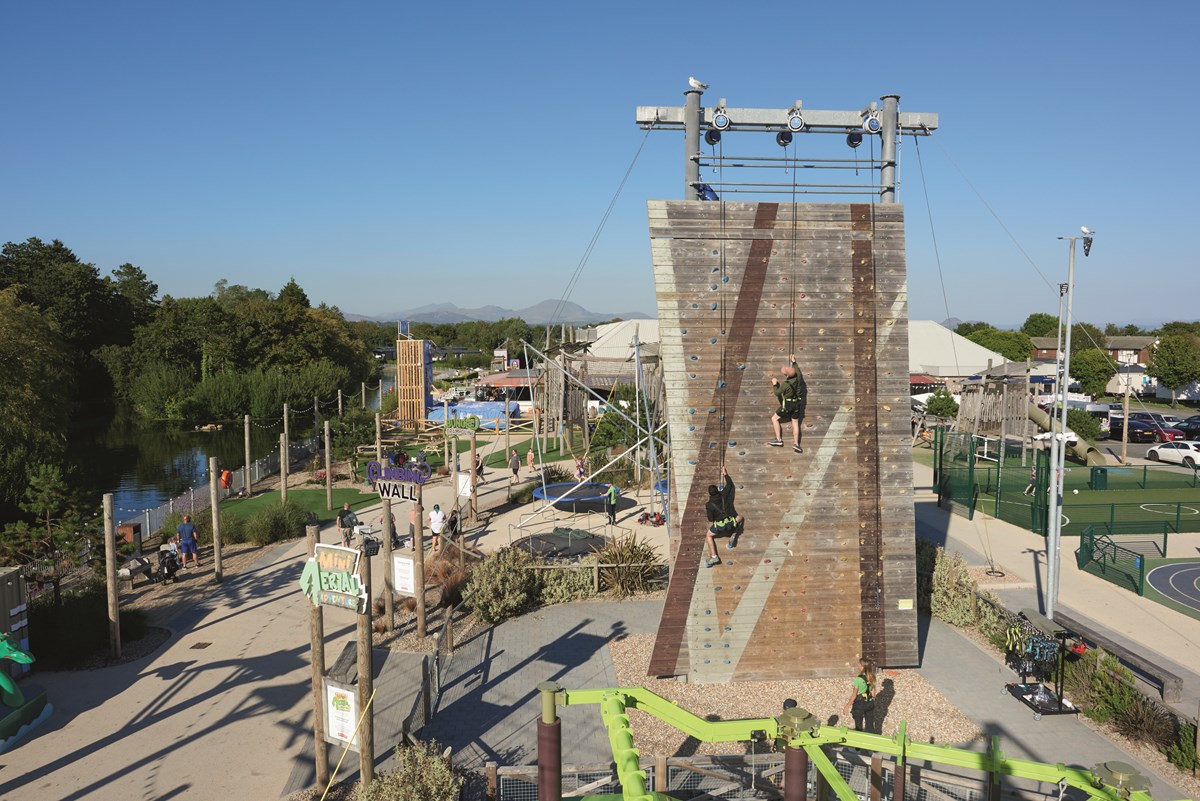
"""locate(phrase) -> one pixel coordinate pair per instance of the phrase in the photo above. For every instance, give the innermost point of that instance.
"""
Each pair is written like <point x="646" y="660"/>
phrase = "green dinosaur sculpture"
<point x="10" y="693"/>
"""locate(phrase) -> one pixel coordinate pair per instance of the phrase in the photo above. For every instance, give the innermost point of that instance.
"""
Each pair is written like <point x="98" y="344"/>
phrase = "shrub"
<point x="233" y="530"/>
<point x="1083" y="424"/>
<point x="202" y="522"/>
<point x="565" y="585"/>
<point x="1182" y="752"/>
<point x="942" y="404"/>
<point x="67" y="637"/>
<point x="639" y="566"/>
<point x="502" y="585"/>
<point x="951" y="589"/>
<point x="420" y="774"/>
<point x="275" y="523"/>
<point x="1145" y="721"/>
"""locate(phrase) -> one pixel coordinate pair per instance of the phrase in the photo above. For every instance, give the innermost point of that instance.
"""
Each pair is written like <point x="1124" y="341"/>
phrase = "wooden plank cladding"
<point x="825" y="570"/>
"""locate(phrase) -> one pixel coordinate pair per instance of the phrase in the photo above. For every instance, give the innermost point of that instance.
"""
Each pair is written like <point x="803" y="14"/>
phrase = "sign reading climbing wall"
<point x="825" y="569"/>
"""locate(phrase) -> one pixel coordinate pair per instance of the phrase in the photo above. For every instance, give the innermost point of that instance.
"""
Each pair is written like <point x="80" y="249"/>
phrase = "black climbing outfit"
<point x="722" y="517"/>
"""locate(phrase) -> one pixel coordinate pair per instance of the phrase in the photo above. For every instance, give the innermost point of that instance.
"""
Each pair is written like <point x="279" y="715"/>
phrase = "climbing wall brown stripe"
<point x="866" y="418"/>
<point x="672" y="628"/>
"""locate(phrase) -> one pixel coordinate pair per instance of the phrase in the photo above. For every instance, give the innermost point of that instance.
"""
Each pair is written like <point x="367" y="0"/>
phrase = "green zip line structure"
<point x="802" y="738"/>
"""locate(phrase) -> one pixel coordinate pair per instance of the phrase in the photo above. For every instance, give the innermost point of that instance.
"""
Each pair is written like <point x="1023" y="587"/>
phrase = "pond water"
<point x="147" y="463"/>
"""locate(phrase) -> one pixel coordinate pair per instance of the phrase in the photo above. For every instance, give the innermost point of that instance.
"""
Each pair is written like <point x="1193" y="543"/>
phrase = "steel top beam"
<point x="672" y="117"/>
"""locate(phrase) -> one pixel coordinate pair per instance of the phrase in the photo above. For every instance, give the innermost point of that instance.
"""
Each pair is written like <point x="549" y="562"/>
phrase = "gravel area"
<point x="984" y="580"/>
<point x="902" y="695"/>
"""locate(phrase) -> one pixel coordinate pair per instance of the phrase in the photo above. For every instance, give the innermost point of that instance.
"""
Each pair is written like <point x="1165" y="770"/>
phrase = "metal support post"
<point x="887" y="150"/>
<point x="691" y="142"/>
<point x="795" y="774"/>
<point x="549" y="745"/>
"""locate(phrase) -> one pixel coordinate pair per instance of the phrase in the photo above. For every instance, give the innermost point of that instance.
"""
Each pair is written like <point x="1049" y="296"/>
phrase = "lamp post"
<point x="1058" y="441"/>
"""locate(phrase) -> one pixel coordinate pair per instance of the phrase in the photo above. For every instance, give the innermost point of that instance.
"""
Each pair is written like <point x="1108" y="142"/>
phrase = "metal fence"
<point x="1100" y="556"/>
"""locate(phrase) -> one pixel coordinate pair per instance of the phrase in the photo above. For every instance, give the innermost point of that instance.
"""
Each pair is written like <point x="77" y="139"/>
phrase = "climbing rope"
<point x="936" y="253"/>
<point x="721" y="381"/>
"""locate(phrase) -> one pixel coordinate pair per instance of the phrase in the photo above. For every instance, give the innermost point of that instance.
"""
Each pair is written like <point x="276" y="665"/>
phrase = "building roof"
<point x="1045" y="343"/>
<point x="938" y="351"/>
<point x="1130" y="343"/>
<point x="615" y="340"/>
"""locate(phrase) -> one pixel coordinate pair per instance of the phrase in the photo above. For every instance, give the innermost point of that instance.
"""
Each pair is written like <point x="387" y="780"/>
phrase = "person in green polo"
<point x="610" y="503"/>
<point x="790" y="394"/>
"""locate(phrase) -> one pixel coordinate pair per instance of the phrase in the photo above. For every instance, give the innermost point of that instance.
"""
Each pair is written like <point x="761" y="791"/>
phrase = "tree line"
<point x="1174" y="360"/>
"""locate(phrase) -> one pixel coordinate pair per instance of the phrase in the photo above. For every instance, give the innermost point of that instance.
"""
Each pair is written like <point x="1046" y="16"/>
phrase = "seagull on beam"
<point x="692" y="82"/>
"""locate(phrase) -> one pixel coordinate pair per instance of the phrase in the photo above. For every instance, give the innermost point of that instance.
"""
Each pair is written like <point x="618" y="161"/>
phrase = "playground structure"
<point x="805" y="742"/>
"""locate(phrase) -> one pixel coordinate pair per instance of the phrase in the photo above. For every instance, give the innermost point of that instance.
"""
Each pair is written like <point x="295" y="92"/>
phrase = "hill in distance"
<point x="537" y="314"/>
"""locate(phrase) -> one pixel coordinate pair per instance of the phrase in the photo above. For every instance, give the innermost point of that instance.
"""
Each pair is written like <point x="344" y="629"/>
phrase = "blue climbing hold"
<point x="691" y="411"/>
<point x="732" y="443"/>
<point x="691" y="375"/>
<point x="713" y="306"/>
<point x="720" y="384"/>
<point x="712" y="286"/>
<point x="695" y="305"/>
<point x="741" y="366"/>
<point x="729" y="628"/>
<point x="683" y="330"/>
<point x="712" y="409"/>
<point x="717" y="588"/>
<point x="712" y="340"/>
<point x="691" y="428"/>
<point x="691" y="461"/>
<point x="725" y="279"/>
<point x="726" y="645"/>
<point x="708" y="611"/>
<point x="708" y="645"/>
<point x="694" y="358"/>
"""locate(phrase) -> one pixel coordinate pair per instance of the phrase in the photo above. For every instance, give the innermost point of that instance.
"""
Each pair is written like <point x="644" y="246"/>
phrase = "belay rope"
<point x="721" y="381"/>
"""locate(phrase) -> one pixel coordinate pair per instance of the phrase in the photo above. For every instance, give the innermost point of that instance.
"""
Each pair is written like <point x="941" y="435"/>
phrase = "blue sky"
<point x="390" y="155"/>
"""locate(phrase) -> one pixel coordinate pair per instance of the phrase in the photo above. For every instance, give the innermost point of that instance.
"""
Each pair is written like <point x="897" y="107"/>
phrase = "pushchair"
<point x="168" y="563"/>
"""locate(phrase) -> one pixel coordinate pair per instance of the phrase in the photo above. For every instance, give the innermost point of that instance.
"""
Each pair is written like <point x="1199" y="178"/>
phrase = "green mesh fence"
<point x="956" y="479"/>
<point x="1099" y="555"/>
<point x="1143" y="476"/>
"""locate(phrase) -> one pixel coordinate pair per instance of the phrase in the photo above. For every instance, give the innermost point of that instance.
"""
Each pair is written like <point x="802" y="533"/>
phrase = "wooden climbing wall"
<point x="825" y="570"/>
<point x="413" y="382"/>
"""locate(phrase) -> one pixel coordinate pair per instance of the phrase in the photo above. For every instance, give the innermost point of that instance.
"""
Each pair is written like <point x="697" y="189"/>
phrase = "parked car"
<point x="1184" y="453"/>
<point x="1172" y="420"/>
<point x="1158" y="422"/>
<point x="1190" y="428"/>
<point x="1143" y="431"/>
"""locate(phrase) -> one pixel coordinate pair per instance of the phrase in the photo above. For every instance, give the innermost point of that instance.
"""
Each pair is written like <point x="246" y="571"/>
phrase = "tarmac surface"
<point x="223" y="710"/>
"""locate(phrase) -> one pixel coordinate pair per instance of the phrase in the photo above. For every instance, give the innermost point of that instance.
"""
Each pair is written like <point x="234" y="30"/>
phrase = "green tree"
<point x="1084" y="336"/>
<point x="966" y="329"/>
<point x="137" y="293"/>
<point x="1083" y="424"/>
<point x="1040" y="324"/>
<point x="1012" y="345"/>
<point x="1179" y="327"/>
<point x="1175" y="362"/>
<point x="34" y="393"/>
<point x="58" y="539"/>
<point x="1114" y="330"/>
<point x="942" y="404"/>
<point x="1093" y="368"/>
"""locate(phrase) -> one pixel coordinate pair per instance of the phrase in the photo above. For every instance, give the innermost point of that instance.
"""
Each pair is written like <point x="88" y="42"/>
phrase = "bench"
<point x="1172" y="685"/>
<point x="134" y="567"/>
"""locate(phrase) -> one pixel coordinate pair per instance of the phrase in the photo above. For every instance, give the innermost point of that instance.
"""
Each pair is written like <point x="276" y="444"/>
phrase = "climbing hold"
<point x="727" y="613"/>
<point x="720" y="384"/>
<point x="726" y="661"/>
<point x="717" y="588"/>
<point x="802" y="296"/>
<point x="695" y="305"/>
<point x="737" y="586"/>
<point x="782" y="332"/>
<point x="725" y="279"/>
<point x="691" y="375"/>
<point x="712" y="409"/>
<point x="712" y="286"/>
<point x="741" y="365"/>
<point x="691" y="411"/>
<point x="768" y="561"/>
<point x="732" y="443"/>
<point x="741" y="453"/>
<point x="691" y="461"/>
<point x="726" y="645"/>
<point x="716" y="269"/>
<point x="713" y="306"/>
<point x="715" y="252"/>
<point x="712" y="444"/>
<point x="708" y="645"/>
<point x="712" y="340"/>
<point x="691" y="428"/>
<point x="706" y="661"/>
<point x="694" y="358"/>
<point x="708" y="611"/>
<point x="708" y="628"/>
<point x="683" y="330"/>
<point x="729" y="628"/>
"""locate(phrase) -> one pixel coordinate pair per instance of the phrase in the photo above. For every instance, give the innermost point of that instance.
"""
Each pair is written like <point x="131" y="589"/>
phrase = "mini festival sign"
<point x="332" y="578"/>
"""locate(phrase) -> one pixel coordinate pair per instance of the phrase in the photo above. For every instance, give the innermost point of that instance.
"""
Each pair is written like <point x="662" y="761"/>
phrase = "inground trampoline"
<point x="587" y="497"/>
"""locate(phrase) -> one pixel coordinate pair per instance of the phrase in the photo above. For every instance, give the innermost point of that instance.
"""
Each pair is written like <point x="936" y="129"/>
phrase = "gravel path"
<point x="902" y="695"/>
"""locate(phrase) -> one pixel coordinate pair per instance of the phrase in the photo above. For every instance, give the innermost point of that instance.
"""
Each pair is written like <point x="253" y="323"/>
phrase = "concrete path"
<point x="1162" y="634"/>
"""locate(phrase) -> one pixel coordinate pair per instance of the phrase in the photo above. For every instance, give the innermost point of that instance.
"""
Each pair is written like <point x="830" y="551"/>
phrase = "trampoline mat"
<point x="590" y="491"/>
<point x="561" y="542"/>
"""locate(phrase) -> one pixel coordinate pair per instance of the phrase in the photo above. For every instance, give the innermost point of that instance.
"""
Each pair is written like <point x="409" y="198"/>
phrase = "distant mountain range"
<point x="538" y="314"/>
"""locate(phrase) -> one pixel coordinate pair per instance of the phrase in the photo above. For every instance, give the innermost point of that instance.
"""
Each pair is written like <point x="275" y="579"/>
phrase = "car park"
<point x="1190" y="428"/>
<point x="1184" y="453"/>
<point x="1143" y="431"/>
<point x="1163" y="430"/>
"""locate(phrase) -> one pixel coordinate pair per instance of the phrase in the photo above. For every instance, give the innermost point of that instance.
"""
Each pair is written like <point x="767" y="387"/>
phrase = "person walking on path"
<point x="791" y="403"/>
<point x="514" y="464"/>
<point x="723" y="519"/>
<point x="529" y="458"/>
<point x="346" y="521"/>
<point x="610" y="503"/>
<point x="437" y="521"/>
<point x="479" y="469"/>
<point x="185" y="536"/>
<point x="861" y="704"/>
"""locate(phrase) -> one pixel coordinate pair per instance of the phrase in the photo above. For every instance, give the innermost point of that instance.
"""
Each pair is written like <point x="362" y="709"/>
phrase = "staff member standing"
<point x="437" y="521"/>
<point x="861" y="705"/>
<point x="610" y="503"/>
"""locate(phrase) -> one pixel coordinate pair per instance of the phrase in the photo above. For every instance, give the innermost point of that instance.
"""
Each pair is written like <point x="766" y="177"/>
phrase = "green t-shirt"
<point x="860" y="686"/>
<point x="612" y="494"/>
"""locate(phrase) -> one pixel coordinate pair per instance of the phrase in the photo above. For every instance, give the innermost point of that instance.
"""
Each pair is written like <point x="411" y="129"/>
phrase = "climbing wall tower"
<point x="825" y="570"/>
